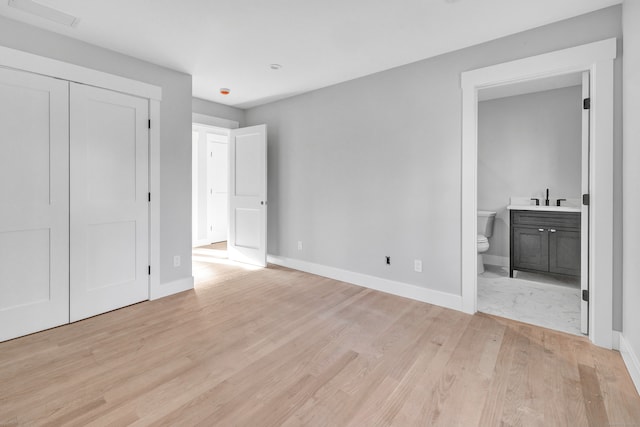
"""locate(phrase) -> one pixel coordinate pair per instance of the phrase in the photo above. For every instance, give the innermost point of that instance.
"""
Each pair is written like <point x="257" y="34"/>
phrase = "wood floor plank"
<point x="594" y="402"/>
<point x="272" y="347"/>
<point x="491" y="414"/>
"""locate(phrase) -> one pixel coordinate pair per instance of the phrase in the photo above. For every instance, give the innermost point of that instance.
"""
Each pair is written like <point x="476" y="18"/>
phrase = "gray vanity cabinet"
<point x="545" y="241"/>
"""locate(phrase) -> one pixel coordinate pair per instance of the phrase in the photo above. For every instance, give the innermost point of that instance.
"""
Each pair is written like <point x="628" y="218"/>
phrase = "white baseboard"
<point x="615" y="340"/>
<point x="500" y="261"/>
<point x="170" y="288"/>
<point x="202" y="242"/>
<point x="631" y="360"/>
<point x="384" y="285"/>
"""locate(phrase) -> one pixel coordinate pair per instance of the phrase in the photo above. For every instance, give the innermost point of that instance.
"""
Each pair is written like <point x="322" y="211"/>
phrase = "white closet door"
<point x="109" y="207"/>
<point x="34" y="203"/>
<point x="248" y="195"/>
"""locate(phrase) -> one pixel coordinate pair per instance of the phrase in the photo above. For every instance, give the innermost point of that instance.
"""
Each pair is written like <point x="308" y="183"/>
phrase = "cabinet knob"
<point x="552" y="230"/>
<point x="540" y="229"/>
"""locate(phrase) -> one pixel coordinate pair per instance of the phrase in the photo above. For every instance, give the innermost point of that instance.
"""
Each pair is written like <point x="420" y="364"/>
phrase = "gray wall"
<point x="526" y="144"/>
<point x="371" y="167"/>
<point x="631" y="253"/>
<point x="202" y="106"/>
<point x="175" y="139"/>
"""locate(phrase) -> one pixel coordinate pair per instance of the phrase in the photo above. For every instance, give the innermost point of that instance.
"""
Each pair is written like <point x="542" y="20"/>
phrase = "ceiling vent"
<point x="45" y="12"/>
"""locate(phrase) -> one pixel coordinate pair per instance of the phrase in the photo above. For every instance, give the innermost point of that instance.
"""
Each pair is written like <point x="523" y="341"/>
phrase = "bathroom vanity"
<point x="545" y="239"/>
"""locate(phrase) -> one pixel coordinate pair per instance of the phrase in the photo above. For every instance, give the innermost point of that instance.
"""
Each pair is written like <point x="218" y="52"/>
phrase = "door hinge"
<point x="149" y="270"/>
<point x="586" y="104"/>
<point x="149" y="197"/>
<point x="585" y="295"/>
<point x="585" y="199"/>
<point x="149" y="123"/>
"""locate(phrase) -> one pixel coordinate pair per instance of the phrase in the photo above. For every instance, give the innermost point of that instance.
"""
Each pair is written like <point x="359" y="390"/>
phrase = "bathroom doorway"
<point x="597" y="58"/>
<point x="530" y="176"/>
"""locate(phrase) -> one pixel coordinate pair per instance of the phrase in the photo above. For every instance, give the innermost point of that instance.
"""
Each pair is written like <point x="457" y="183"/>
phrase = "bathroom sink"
<point x="544" y="208"/>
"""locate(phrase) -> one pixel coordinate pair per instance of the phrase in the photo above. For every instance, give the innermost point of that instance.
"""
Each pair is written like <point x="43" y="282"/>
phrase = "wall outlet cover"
<point x="417" y="265"/>
<point x="176" y="261"/>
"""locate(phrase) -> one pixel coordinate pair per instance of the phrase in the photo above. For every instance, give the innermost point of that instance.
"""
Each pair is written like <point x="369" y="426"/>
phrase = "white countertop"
<point x="543" y="208"/>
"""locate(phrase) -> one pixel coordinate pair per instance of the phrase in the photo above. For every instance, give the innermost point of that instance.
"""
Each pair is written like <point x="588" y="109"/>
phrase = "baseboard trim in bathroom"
<point x="500" y="261"/>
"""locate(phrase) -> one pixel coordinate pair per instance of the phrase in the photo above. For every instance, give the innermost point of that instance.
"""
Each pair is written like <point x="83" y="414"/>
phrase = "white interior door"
<point x="109" y="140"/>
<point x="584" y="235"/>
<point x="248" y="195"/>
<point x="34" y="203"/>
<point x="217" y="182"/>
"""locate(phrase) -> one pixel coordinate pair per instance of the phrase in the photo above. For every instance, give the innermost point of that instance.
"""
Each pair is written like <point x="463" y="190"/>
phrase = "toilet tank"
<point x="485" y="222"/>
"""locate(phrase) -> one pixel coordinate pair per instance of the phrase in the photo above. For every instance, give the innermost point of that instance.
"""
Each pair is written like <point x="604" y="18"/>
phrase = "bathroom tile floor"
<point x="538" y="299"/>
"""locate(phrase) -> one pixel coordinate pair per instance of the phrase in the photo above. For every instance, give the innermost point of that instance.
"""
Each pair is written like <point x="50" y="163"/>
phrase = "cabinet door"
<point x="530" y="248"/>
<point x="564" y="252"/>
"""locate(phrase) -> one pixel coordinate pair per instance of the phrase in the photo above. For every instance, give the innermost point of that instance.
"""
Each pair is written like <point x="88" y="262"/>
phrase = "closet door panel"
<point x="34" y="201"/>
<point x="109" y="204"/>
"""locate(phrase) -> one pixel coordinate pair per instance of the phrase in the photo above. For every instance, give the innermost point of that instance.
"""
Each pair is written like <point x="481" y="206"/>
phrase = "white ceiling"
<point x="231" y="43"/>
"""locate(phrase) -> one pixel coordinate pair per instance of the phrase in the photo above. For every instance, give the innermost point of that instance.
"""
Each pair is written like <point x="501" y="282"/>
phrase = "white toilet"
<point x="485" y="230"/>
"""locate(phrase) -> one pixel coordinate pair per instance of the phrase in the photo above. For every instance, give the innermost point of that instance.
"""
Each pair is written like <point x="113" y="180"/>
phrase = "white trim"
<point x="25" y="61"/>
<point x="500" y="261"/>
<point x="597" y="58"/>
<point x="204" y="119"/>
<point x="201" y="242"/>
<point x="379" y="284"/>
<point x="631" y="360"/>
<point x="170" y="288"/>
<point x="154" y="189"/>
<point x="616" y="340"/>
<point x="216" y="130"/>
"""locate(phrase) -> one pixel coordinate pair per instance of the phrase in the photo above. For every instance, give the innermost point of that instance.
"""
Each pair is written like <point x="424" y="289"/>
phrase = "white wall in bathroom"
<point x="526" y="144"/>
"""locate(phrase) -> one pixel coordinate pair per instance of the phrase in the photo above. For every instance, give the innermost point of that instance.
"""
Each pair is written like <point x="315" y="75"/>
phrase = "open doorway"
<point x="229" y="192"/>
<point x="210" y="175"/>
<point x="531" y="169"/>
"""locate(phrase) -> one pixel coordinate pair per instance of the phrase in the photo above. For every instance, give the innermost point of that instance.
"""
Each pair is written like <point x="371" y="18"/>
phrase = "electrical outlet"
<point x="299" y="245"/>
<point x="176" y="261"/>
<point x="417" y="265"/>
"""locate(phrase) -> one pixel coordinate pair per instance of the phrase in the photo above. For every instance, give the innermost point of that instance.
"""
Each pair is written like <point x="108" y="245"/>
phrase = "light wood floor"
<point x="279" y="347"/>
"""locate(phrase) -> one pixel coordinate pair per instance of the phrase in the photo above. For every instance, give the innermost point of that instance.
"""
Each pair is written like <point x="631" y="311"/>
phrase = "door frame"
<point x="25" y="61"/>
<point x="597" y="58"/>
